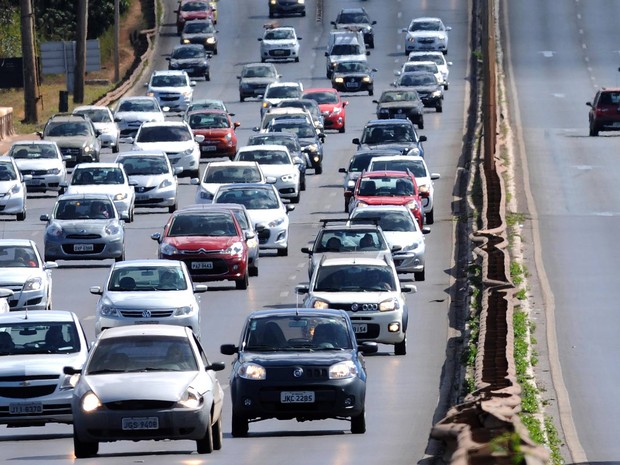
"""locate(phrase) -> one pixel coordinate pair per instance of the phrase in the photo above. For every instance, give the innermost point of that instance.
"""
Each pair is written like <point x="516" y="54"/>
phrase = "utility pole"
<point x="80" y="52"/>
<point x="31" y="73"/>
<point x="117" y="38"/>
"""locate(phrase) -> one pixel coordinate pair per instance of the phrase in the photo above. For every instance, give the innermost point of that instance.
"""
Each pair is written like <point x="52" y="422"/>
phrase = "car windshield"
<point x="301" y="130"/>
<point x="387" y="134"/>
<point x="163" y="134"/>
<point x="137" y="105"/>
<point x="231" y="174"/>
<point x="195" y="6"/>
<point x="426" y="26"/>
<point x="265" y="157"/>
<point x="145" y="166"/>
<point x="258" y="71"/>
<point x="91" y="176"/>
<point x="418" y="66"/>
<point x="141" y="354"/>
<point x="7" y="172"/>
<point x="174" y="80"/>
<point x="346" y="49"/>
<point x="252" y="199"/>
<point x="203" y="224"/>
<point x="96" y="115"/>
<point x="437" y="58"/>
<point x="32" y="337"/>
<point x="15" y="256"/>
<point x="283" y="92"/>
<point x="416" y="79"/>
<point x="67" y="129"/>
<point x="183" y="53"/>
<point x="289" y="142"/>
<point x="349" y="241"/>
<point x="84" y="209"/>
<point x="322" y="97"/>
<point x="416" y="167"/>
<point x="279" y="34"/>
<point x="391" y="221"/>
<point x="208" y="121"/>
<point x="399" y="96"/>
<point x="351" y="67"/>
<point x="354" y="278"/>
<point x="199" y="27"/>
<point x="386" y="186"/>
<point x="147" y="278"/>
<point x="297" y="333"/>
<point x="353" y="18"/>
<point x="207" y="105"/>
<point x="360" y="163"/>
<point x="33" y="151"/>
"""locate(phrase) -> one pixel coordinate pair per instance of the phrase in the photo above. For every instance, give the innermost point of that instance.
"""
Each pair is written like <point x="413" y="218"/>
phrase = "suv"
<point x="356" y="19"/>
<point x="287" y="7"/>
<point x="398" y="134"/>
<point x="604" y="111"/>
<point x="345" y="46"/>
<point x="172" y="89"/>
<point x="75" y="135"/>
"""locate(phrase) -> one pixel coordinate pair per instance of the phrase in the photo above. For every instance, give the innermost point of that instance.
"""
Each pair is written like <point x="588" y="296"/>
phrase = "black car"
<point x="427" y="86"/>
<point x="311" y="142"/>
<point x="291" y="142"/>
<point x="353" y="76"/>
<point x="286" y="7"/>
<point x="356" y="19"/>
<point x="201" y="32"/>
<point x="392" y="134"/>
<point x="303" y="365"/>
<point x="401" y="103"/>
<point x="254" y="79"/>
<point x="191" y="58"/>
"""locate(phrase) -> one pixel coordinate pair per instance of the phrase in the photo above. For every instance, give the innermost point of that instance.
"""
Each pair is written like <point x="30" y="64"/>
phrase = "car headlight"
<point x="69" y="382"/>
<point x="182" y="311"/>
<point x="186" y="41"/>
<point x="252" y="371"/>
<point x="188" y="93"/>
<point x="413" y="205"/>
<point x="174" y="65"/>
<point x="301" y="2"/>
<point x="168" y="249"/>
<point x="339" y="80"/>
<point x="361" y="204"/>
<point x="191" y="399"/>
<point x="33" y="284"/>
<point x="414" y="151"/>
<point x="90" y="402"/>
<point x="187" y="152"/>
<point x="210" y="40"/>
<point x="204" y="194"/>
<point x="16" y="189"/>
<point x="320" y="304"/>
<point x="228" y="136"/>
<point x="410" y="39"/>
<point x="55" y="230"/>
<point x="343" y="370"/>
<point x="120" y="196"/>
<point x="412" y="246"/>
<point x="436" y="94"/>
<point x="366" y="79"/>
<point x="389" y="305"/>
<point x="112" y="229"/>
<point x="384" y="110"/>
<point x="89" y="148"/>
<point x="150" y="93"/>
<point x="272" y="2"/>
<point x="165" y="183"/>
<point x="350" y="184"/>
<point x="336" y="110"/>
<point x="235" y="249"/>
<point x="108" y="310"/>
<point x="276" y="222"/>
<point x="288" y="178"/>
<point x="53" y="171"/>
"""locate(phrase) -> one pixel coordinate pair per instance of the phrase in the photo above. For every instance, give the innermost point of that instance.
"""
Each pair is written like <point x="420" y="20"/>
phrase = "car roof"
<point x="169" y="72"/>
<point x="142" y="153"/>
<point x="144" y="330"/>
<point x="385" y="173"/>
<point x="232" y="163"/>
<point x="306" y="312"/>
<point x="215" y="111"/>
<point x="247" y="185"/>
<point x="332" y="260"/>
<point x="265" y="147"/>
<point x="167" y="123"/>
<point x="388" y="122"/>
<point x="98" y="165"/>
<point x="353" y="10"/>
<point x="38" y="316"/>
<point x="16" y="242"/>
<point x="91" y="195"/>
<point x="147" y="262"/>
<point x="214" y="206"/>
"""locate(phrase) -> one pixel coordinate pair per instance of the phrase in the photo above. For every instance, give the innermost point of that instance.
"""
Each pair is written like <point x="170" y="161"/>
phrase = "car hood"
<point x="152" y="385"/>
<point x="173" y="147"/>
<point x="278" y="170"/>
<point x="188" y="61"/>
<point x="403" y="147"/>
<point x="213" y="132"/>
<point x="140" y="116"/>
<point x="359" y="297"/>
<point x="108" y="189"/>
<point x="257" y="80"/>
<point x="287" y="358"/>
<point x="433" y="34"/>
<point x="401" y="104"/>
<point x="339" y="58"/>
<point x="209" y="243"/>
<point x="41" y="164"/>
<point x="86" y="225"/>
<point x="171" y="89"/>
<point x="365" y="27"/>
<point x="279" y="43"/>
<point x="351" y="74"/>
<point x="198" y="35"/>
<point x="39" y="364"/>
<point x="68" y="141"/>
<point x="385" y="199"/>
<point x="148" y="299"/>
<point x="426" y="89"/>
<point x="148" y="180"/>
<point x="18" y="275"/>
<point x="265" y="216"/>
<point x="403" y="238"/>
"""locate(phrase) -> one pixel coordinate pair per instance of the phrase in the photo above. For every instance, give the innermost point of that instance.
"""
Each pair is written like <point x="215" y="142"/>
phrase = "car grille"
<point x="280" y="52"/>
<point x="398" y="112"/>
<point x="169" y="97"/>
<point x="310" y="373"/>
<point x="143" y="189"/>
<point x="352" y="82"/>
<point x="139" y="404"/>
<point x="34" y="172"/>
<point x="359" y="307"/>
<point x="149" y="200"/>
<point x="27" y="392"/>
<point x="71" y="151"/>
<point x="263" y="236"/>
<point x="83" y="236"/>
<point x="426" y="40"/>
<point x="144" y="313"/>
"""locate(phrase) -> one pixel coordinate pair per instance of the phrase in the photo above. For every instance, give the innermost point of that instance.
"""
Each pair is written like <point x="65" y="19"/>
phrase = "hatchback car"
<point x="356" y="19"/>
<point x="42" y="161"/>
<point x="426" y="85"/>
<point x="172" y="89"/>
<point x="12" y="189"/>
<point x="147" y="382"/>
<point x="306" y="104"/>
<point x="84" y="227"/>
<point x="604" y="114"/>
<point x="393" y="134"/>
<point x="23" y="271"/>
<point x="206" y="104"/>
<point x="332" y="107"/>
<point x="148" y="291"/>
<point x="217" y="173"/>
<point x="297" y="365"/>
<point x="403" y="103"/>
<point x="311" y="142"/>
<point x="279" y="43"/>
<point x="254" y="79"/>
<point x="426" y="34"/>
<point x="210" y="242"/>
<point x="131" y="112"/>
<point x="353" y="76"/>
<point x="34" y="349"/>
<point x="218" y="129"/>
<point x="191" y="58"/>
<point x="287" y="7"/>
<point x="190" y="10"/>
<point x="103" y="120"/>
<point x="201" y="32"/>
<point x="291" y="142"/>
<point x="75" y="135"/>
<point x="278" y="91"/>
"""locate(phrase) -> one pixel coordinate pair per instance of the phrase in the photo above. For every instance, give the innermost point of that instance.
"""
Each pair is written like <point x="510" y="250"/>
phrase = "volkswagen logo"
<point x="298" y="372"/>
<point x="146" y="314"/>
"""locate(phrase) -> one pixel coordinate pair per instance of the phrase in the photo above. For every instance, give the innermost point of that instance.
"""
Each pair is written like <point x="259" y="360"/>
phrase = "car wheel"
<point x="173" y="208"/>
<point x="208" y="77"/>
<point x="241" y="98"/>
<point x="215" y="51"/>
<point x="243" y="282"/>
<point x="253" y="271"/>
<point x="121" y="257"/>
<point x="318" y="169"/>
<point x="302" y="183"/>
<point x="346" y="206"/>
<point x="342" y="129"/>
<point x="239" y="426"/>
<point x="205" y="444"/>
<point x="115" y="148"/>
<point x="421" y="123"/>
<point x="358" y="423"/>
<point x="419" y="275"/>
<point x="439" y="108"/>
<point x="445" y="86"/>
<point x="21" y="216"/>
<point x="262" y="60"/>
<point x="371" y="92"/>
<point x="131" y="216"/>
<point x="400" y="348"/>
<point x="195" y="173"/>
<point x="430" y="217"/>
<point x="296" y="59"/>
<point x="296" y="198"/>
<point x="84" y="449"/>
<point x="593" y="130"/>
<point x="271" y="14"/>
<point x="218" y="434"/>
<point x="283" y="252"/>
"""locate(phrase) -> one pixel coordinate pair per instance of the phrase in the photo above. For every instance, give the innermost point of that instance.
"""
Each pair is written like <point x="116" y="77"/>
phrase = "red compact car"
<point x="189" y="10"/>
<point x="389" y="188"/>
<point x="332" y="107"/>
<point x="211" y="243"/>
<point x="219" y="131"/>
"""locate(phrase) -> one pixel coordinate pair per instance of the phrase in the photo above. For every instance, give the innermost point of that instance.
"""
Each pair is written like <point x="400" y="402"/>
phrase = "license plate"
<point x="83" y="247"/>
<point x="142" y="196"/>
<point x="137" y="423"/>
<point x="297" y="397"/>
<point x="189" y="70"/>
<point x="279" y="52"/>
<point x="208" y="148"/>
<point x="146" y="322"/>
<point x="25" y="408"/>
<point x="400" y="116"/>
<point x="202" y="265"/>
<point x="351" y="84"/>
<point x="360" y="328"/>
<point x="34" y="182"/>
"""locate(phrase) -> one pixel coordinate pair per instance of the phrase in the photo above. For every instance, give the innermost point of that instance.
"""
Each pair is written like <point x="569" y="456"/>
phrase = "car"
<point x="428" y="88"/>
<point x="131" y="112"/>
<point x="217" y="173"/>
<point x="332" y="107"/>
<point x="34" y="349"/>
<point x="393" y="134"/>
<point x="401" y="103"/>
<point x="291" y="142"/>
<point x="42" y="161"/>
<point x="426" y="33"/>
<point x="154" y="179"/>
<point x="148" y="291"/>
<point x="190" y="10"/>
<point x="84" y="227"/>
<point x="254" y="79"/>
<point x="346" y="46"/>
<point x="357" y="165"/>
<point x="75" y="135"/>
<point x="279" y="43"/>
<point x="311" y="142"/>
<point x="172" y="89"/>
<point x="389" y="188"/>
<point x="353" y="76"/>
<point x="174" y="392"/>
<point x="404" y="236"/>
<point x="103" y="120"/>
<point x="23" y="271"/>
<point x="267" y="211"/>
<point x="191" y="58"/>
<point x="306" y="104"/>
<point x="201" y="32"/>
<point x="604" y="114"/>
<point x="177" y="140"/>
<point x="426" y="66"/>
<point x="357" y="19"/>
<point x="275" y="162"/>
<point x="105" y="178"/>
<point x="12" y="189"/>
<point x="275" y="92"/>
<point x="287" y="7"/>
<point x="283" y="113"/>
<point x="297" y="365"/>
<point x="349" y="237"/>
<point x="424" y="178"/>
<point x="206" y="104"/>
<point x="210" y="242"/>
<point x="438" y="58"/>
<point x="369" y="290"/>
<point x="218" y="130"/>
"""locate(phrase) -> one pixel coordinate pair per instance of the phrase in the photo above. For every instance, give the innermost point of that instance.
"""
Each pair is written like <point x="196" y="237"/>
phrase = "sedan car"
<point x="24" y="272"/>
<point x="218" y="129"/>
<point x="287" y="7"/>
<point x="332" y="107"/>
<point x="401" y="103"/>
<point x="84" y="227"/>
<point x="42" y="161"/>
<point x="426" y="85"/>
<point x="173" y="391"/>
<point x="148" y="291"/>
<point x="426" y="66"/>
<point x="201" y="32"/>
<point x="34" y="349"/>
<point x="297" y="365"/>
<point x="426" y="34"/>
<point x="254" y="79"/>
<point x="356" y="19"/>
<point x="306" y="104"/>
<point x="278" y="91"/>
<point x="12" y="189"/>
<point x="393" y="134"/>
<point x="191" y="58"/>
<point x="279" y="43"/>
<point x="353" y="76"/>
<point x="131" y="112"/>
<point x="206" y="104"/>
<point x="103" y="120"/>
<point x="217" y="173"/>
<point x="210" y="242"/>
<point x="172" y="89"/>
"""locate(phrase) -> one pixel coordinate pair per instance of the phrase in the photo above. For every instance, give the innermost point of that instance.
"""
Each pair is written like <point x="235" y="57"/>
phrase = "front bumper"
<point x="140" y="316"/>
<point x="273" y="238"/>
<point x="55" y="407"/>
<point x="221" y="267"/>
<point x="82" y="249"/>
<point x="155" y="196"/>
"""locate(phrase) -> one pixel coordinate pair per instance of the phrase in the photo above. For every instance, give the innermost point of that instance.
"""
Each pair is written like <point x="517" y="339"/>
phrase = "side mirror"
<point x="306" y="250"/>
<point x="356" y="140"/>
<point x="199" y="288"/>
<point x="408" y="288"/>
<point x="289" y="208"/>
<point x="228" y="349"/>
<point x="199" y="138"/>
<point x="192" y="83"/>
<point x="249" y="235"/>
<point x="96" y="290"/>
<point x="216" y="366"/>
<point x="156" y="237"/>
<point x="435" y="176"/>
<point x="194" y="181"/>
<point x="342" y="170"/>
<point x="368" y="347"/>
<point x="302" y="289"/>
<point x="177" y="170"/>
<point x="423" y="138"/>
<point x="45" y="217"/>
<point x="426" y="230"/>
<point x="590" y="103"/>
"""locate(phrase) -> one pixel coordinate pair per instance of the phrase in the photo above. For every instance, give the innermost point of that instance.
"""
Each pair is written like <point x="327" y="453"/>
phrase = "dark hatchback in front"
<point x="301" y="364"/>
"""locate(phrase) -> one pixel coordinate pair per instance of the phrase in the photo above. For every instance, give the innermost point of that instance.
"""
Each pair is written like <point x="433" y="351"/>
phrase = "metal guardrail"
<point x="6" y="122"/>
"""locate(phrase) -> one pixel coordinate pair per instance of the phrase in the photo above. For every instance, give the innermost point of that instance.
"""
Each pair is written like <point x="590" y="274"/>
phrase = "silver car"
<point x="131" y="112"/>
<point x="12" y="189"/>
<point x="151" y="291"/>
<point x="147" y="382"/>
<point x="103" y="120"/>
<point x="42" y="161"/>
<point x="34" y="348"/>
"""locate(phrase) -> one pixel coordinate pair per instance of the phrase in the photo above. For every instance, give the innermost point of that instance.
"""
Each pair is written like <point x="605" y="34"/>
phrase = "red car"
<point x="218" y="130"/>
<point x="211" y="243"/>
<point x="389" y="188"/>
<point x="332" y="106"/>
<point x="189" y="10"/>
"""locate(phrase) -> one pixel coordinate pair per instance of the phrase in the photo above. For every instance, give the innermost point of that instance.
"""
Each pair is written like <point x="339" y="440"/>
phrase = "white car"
<point x="426" y="33"/>
<point x="172" y="89"/>
<point x="424" y="178"/>
<point x="402" y="232"/>
<point x="276" y="92"/>
<point x="267" y="211"/>
<point x="424" y="66"/>
<point x="42" y="161"/>
<point x="12" y="189"/>
<point x="177" y="140"/>
<point x="131" y="112"/>
<point x="105" y="178"/>
<point x="23" y="271"/>
<point x="154" y="179"/>
<point x="151" y="291"/>
<point x="103" y="120"/>
<point x="279" y="43"/>
<point x="218" y="173"/>
<point x="440" y="61"/>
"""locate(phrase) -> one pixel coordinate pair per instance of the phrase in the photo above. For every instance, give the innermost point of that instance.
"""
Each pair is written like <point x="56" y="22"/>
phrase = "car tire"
<point x="371" y="92"/>
<point x="419" y="275"/>
<point x="239" y="426"/>
<point x="342" y="129"/>
<point x="421" y="123"/>
<point x="21" y="216"/>
<point x="241" y="98"/>
<point x="121" y="257"/>
<point x="283" y="252"/>
<point x="262" y="60"/>
<point x="439" y="108"/>
<point x="205" y="444"/>
<point x="131" y="216"/>
<point x="115" y="148"/>
<point x="296" y="198"/>
<point x="208" y="77"/>
<point x="253" y="271"/>
<point x="318" y="169"/>
<point x="173" y="208"/>
<point x="358" y="423"/>
<point x="445" y="86"/>
<point x="218" y="434"/>
<point x="346" y="206"/>
<point x="302" y="183"/>
<point x="215" y="51"/>
<point x="296" y="59"/>
<point x="430" y="217"/>
<point x="82" y="449"/>
<point x="195" y="173"/>
<point x="400" y="348"/>
<point x="242" y="284"/>
<point x="593" y="130"/>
